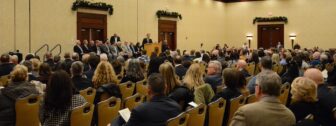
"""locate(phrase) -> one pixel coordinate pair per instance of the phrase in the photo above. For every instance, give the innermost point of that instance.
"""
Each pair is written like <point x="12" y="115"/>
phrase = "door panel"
<point x="270" y="35"/>
<point x="91" y="26"/>
<point x="167" y="31"/>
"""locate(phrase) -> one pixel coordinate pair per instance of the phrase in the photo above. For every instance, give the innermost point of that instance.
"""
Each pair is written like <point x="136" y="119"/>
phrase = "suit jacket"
<point x="214" y="81"/>
<point x="78" y="49"/>
<point x="145" y="41"/>
<point x="104" y="49"/>
<point x="180" y="71"/>
<point x="268" y="111"/>
<point x="86" y="49"/>
<point x="81" y="83"/>
<point x="114" y="38"/>
<point x="326" y="102"/>
<point x="303" y="109"/>
<point x="155" y="112"/>
<point x="6" y="68"/>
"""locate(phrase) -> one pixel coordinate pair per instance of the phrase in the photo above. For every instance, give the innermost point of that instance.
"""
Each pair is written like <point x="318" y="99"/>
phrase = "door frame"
<point x="90" y="20"/>
<point x="260" y="26"/>
<point x="168" y="26"/>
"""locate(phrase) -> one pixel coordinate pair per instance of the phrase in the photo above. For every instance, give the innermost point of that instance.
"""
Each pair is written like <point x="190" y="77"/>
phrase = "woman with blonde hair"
<point x="304" y="97"/>
<point x="104" y="74"/>
<point x="194" y="81"/>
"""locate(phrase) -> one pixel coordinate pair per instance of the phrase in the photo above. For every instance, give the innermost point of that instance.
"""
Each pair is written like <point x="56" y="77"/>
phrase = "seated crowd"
<point x="175" y="80"/>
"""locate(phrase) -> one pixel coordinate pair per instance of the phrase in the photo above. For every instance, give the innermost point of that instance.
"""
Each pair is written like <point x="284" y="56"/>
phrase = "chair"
<point x="234" y="105"/>
<point x="89" y="94"/>
<point x="251" y="98"/>
<point x="141" y="87"/>
<point x="133" y="101"/>
<point x="250" y="68"/>
<point x="284" y="92"/>
<point x="197" y="115"/>
<point x="4" y="80"/>
<point x="126" y="89"/>
<point x="216" y="112"/>
<point x="82" y="115"/>
<point x="180" y="120"/>
<point x="108" y="110"/>
<point x="220" y="89"/>
<point x="28" y="105"/>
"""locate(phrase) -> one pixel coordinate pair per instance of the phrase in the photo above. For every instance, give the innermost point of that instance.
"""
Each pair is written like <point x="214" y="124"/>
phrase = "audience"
<point x="214" y="74"/>
<point x="134" y="72"/>
<point x="5" y="67"/>
<point x="266" y="66"/>
<point x="19" y="87"/>
<point x="179" y="68"/>
<point x="104" y="74"/>
<point x="268" y="111"/>
<point x="60" y="98"/>
<point x="44" y="73"/>
<point x="241" y="66"/>
<point x="77" y="71"/>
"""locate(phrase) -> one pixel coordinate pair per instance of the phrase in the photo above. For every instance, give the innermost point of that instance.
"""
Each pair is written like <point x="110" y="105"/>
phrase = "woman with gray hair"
<point x="134" y="72"/>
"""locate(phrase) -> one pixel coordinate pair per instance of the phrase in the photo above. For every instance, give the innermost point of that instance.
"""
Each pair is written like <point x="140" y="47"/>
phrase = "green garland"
<point x="87" y="4"/>
<point x="163" y="13"/>
<point x="270" y="19"/>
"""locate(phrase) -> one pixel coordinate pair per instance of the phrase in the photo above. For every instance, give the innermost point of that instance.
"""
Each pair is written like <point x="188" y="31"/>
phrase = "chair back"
<point x="180" y="120"/>
<point x="133" y="101"/>
<point x="284" y="92"/>
<point x="251" y="98"/>
<point x="28" y="105"/>
<point x="126" y="89"/>
<point x="141" y="87"/>
<point x="235" y="103"/>
<point x="82" y="115"/>
<point x="250" y="68"/>
<point x="4" y="80"/>
<point x="89" y="94"/>
<point x="108" y="110"/>
<point x="216" y="112"/>
<point x="197" y="115"/>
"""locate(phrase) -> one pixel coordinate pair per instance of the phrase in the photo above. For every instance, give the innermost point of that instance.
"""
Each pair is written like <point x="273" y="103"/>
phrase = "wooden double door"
<point x="270" y="35"/>
<point x="91" y="27"/>
<point x="167" y="31"/>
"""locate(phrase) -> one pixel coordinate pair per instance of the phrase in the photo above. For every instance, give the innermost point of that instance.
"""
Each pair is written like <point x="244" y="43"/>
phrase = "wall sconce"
<point x="292" y="37"/>
<point x="249" y="38"/>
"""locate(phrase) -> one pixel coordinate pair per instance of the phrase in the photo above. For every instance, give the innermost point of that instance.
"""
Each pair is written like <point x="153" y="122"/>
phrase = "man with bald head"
<point x="327" y="99"/>
<point x="241" y="66"/>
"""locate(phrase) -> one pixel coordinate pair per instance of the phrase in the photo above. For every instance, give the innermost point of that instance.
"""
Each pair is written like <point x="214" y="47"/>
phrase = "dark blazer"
<point x="326" y="102"/>
<point x="182" y="95"/>
<point x="93" y="48"/>
<point x="86" y="49"/>
<point x="145" y="41"/>
<point x="6" y="68"/>
<point x="81" y="83"/>
<point x="214" y="81"/>
<point x="78" y="49"/>
<point x="155" y="112"/>
<point x="303" y="109"/>
<point x="245" y="73"/>
<point x="180" y="71"/>
<point x="51" y="63"/>
<point x="113" y="40"/>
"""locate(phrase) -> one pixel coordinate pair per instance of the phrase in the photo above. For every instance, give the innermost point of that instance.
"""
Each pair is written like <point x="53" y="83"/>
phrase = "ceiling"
<point x="231" y="1"/>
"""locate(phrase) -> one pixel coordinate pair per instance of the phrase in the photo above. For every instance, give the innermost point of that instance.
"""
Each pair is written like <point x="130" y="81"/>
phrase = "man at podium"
<point x="146" y="40"/>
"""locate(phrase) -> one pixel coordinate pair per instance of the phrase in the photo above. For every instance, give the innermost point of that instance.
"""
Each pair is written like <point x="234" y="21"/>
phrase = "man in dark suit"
<point x="241" y="66"/>
<point x="85" y="46"/>
<point x="5" y="67"/>
<point x="158" y="110"/>
<point x="79" y="82"/>
<point x="66" y="64"/>
<point x="180" y="70"/>
<point x="115" y="38"/>
<point x="146" y="40"/>
<point x="78" y="49"/>
<point x="214" y="76"/>
<point x="326" y="98"/>
<point x="50" y="60"/>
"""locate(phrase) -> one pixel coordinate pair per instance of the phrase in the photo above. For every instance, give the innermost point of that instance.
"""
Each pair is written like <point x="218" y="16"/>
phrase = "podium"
<point x="151" y="47"/>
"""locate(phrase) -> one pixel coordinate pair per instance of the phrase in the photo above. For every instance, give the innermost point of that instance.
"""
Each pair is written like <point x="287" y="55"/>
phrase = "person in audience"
<point x="241" y="85"/>
<point x="241" y="66"/>
<point x="326" y="98"/>
<point x="175" y="89"/>
<point x="19" y="87"/>
<point x="206" y="58"/>
<point x="146" y="40"/>
<point x="291" y="71"/>
<point x="85" y="61"/>
<point x="14" y="59"/>
<point x="265" y="65"/>
<point x="103" y="57"/>
<point x="296" y="46"/>
<point x="134" y="72"/>
<point x="304" y="98"/>
<point x="154" y="64"/>
<point x="93" y="62"/>
<point x="35" y="67"/>
<point x="78" y="48"/>
<point x="49" y="59"/>
<point x="92" y="46"/>
<point x="195" y="82"/>
<point x="316" y="59"/>
<point x="267" y="90"/>
<point x="29" y="56"/>
<point x="179" y="68"/>
<point x="44" y="73"/>
<point x="214" y="74"/>
<point x="5" y="67"/>
<point x="104" y="74"/>
<point x="56" y="108"/>
<point x="276" y="58"/>
<point x="331" y="80"/>
<point x="77" y="71"/>
<point x="85" y="46"/>
<point x="66" y="64"/>
<point x="57" y="63"/>
<point x="231" y="81"/>
<point x="158" y="110"/>
<point x="29" y="67"/>
<point x="75" y="57"/>
<point x="115" y="38"/>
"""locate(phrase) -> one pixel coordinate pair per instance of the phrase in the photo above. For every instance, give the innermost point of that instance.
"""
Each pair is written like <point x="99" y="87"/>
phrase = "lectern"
<point x="151" y="47"/>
